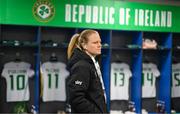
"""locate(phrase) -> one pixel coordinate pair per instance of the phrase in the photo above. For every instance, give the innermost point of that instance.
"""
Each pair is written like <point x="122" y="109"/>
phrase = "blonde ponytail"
<point x="72" y="44"/>
<point x="78" y="40"/>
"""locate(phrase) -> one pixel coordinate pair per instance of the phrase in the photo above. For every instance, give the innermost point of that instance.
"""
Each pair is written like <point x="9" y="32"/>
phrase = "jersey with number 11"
<point x="54" y="76"/>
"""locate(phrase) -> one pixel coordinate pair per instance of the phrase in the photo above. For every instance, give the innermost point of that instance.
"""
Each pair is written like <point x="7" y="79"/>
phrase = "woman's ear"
<point x="84" y="46"/>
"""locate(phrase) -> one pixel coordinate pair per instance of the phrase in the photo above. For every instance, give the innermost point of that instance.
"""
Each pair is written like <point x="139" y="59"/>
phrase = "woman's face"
<point x="93" y="46"/>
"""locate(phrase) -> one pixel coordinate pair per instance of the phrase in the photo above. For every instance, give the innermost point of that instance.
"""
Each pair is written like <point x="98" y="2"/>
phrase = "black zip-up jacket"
<point x="85" y="93"/>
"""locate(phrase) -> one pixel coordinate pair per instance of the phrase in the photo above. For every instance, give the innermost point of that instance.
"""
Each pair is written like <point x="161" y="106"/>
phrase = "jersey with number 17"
<point x="16" y="75"/>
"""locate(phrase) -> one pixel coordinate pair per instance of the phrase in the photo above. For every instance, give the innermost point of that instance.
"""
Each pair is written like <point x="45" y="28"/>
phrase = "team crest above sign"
<point x="43" y="10"/>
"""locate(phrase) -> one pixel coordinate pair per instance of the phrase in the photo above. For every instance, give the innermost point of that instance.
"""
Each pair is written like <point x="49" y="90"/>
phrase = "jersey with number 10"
<point x="150" y="72"/>
<point x="16" y="75"/>
<point x="120" y="74"/>
<point x="54" y="76"/>
<point x="175" y="80"/>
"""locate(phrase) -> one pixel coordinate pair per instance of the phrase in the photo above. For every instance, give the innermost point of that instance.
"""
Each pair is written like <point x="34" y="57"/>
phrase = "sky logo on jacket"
<point x="77" y="82"/>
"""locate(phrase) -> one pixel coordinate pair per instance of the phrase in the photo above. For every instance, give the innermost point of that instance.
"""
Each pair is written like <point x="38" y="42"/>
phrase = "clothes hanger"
<point x="17" y="57"/>
<point x="53" y="57"/>
<point x="118" y="59"/>
<point x="146" y="59"/>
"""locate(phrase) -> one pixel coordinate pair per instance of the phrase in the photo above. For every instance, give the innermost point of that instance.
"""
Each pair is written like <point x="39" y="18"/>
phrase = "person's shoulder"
<point x="83" y="63"/>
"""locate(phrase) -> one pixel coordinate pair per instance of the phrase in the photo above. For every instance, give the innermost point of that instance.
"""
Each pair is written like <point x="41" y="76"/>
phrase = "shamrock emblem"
<point x="43" y="10"/>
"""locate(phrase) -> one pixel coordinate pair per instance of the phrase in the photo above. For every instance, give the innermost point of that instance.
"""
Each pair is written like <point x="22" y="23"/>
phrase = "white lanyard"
<point x="99" y="75"/>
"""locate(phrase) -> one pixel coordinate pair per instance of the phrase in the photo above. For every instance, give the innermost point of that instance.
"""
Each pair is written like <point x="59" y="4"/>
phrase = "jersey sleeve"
<point x="31" y="73"/>
<point x="129" y="73"/>
<point x="4" y="72"/>
<point x="66" y="73"/>
<point x="156" y="70"/>
<point x="62" y="67"/>
<point x="27" y="66"/>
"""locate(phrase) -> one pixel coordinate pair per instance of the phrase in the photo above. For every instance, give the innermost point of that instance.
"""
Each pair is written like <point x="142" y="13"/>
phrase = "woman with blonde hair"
<point x="86" y="92"/>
